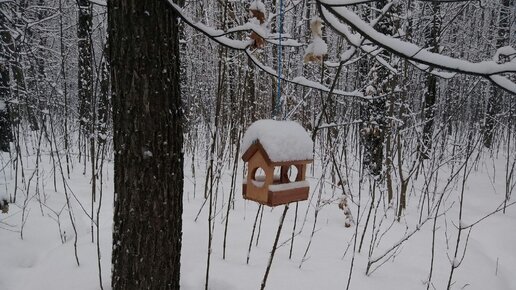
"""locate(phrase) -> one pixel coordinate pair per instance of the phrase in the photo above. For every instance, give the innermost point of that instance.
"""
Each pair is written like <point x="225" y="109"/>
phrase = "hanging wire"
<point x="277" y="107"/>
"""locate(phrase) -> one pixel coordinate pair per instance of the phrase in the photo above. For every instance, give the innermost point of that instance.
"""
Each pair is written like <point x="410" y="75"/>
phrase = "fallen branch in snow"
<point x="464" y="226"/>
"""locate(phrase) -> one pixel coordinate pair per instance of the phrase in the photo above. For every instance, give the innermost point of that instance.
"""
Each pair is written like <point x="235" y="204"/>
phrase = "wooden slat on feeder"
<point x="270" y="144"/>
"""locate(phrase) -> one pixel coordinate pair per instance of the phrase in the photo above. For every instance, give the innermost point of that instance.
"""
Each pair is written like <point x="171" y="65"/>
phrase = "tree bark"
<point x="494" y="101"/>
<point x="148" y="138"/>
<point x="85" y="66"/>
<point x="5" y="89"/>
<point x="432" y="41"/>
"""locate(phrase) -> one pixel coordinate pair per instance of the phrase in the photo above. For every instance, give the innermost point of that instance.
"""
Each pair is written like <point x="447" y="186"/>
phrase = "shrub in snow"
<point x="4" y="205"/>
<point x="343" y="205"/>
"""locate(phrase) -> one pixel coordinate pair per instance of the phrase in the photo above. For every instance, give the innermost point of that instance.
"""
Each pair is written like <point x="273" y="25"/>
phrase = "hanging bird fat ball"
<point x="258" y="11"/>
<point x="258" y="15"/>
<point x="318" y="48"/>
<point x="316" y="27"/>
<point x="370" y="91"/>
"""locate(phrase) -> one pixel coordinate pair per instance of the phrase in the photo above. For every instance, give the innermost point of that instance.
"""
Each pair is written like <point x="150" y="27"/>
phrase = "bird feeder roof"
<point x="279" y="141"/>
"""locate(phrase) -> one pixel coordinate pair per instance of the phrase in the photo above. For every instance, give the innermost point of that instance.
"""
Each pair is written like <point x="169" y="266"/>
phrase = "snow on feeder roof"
<point x="282" y="141"/>
<point x="258" y="6"/>
<point x="282" y="147"/>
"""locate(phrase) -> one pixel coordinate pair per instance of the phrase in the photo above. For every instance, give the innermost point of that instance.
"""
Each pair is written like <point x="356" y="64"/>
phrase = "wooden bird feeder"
<point x="277" y="153"/>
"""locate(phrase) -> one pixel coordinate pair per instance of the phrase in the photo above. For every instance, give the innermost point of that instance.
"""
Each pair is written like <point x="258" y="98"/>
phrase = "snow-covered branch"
<point x="221" y="37"/>
<point x="99" y="2"/>
<point x="300" y="80"/>
<point x="489" y="69"/>
<point x="336" y="3"/>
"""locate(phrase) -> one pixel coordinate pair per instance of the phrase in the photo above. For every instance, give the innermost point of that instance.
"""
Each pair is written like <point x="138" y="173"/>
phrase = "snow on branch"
<point x="504" y="83"/>
<point x="336" y="3"/>
<point x="489" y="69"/>
<point x="358" y="41"/>
<point x="416" y="53"/>
<point x="99" y="2"/>
<point x="426" y="68"/>
<point x="220" y="37"/>
<point x="302" y="81"/>
<point x="344" y="2"/>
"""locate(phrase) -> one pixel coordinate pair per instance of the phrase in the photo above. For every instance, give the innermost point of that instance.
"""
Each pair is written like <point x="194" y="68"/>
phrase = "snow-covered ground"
<point x="42" y="261"/>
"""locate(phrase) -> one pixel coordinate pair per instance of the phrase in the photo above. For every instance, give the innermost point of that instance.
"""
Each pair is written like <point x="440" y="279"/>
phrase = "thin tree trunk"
<point x="495" y="94"/>
<point x="274" y="247"/>
<point x="432" y="41"/>
<point x="85" y="67"/>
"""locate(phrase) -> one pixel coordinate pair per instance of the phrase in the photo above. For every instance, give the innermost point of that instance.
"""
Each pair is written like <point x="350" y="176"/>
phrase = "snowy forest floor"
<point x="44" y="258"/>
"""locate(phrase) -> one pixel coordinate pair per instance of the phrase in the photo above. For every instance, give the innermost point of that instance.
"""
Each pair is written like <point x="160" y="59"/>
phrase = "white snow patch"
<point x="258" y="183"/>
<point x="318" y="47"/>
<point x="258" y="6"/>
<point x="282" y="140"/>
<point x="287" y="186"/>
<point x="411" y="50"/>
<point x="254" y="25"/>
<point x="147" y="154"/>
<point x="261" y="178"/>
<point x="489" y="262"/>
<point x="505" y="51"/>
<point x="455" y="263"/>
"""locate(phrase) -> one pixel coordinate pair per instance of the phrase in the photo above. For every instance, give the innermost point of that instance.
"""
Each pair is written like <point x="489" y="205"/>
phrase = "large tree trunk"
<point x="148" y="138"/>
